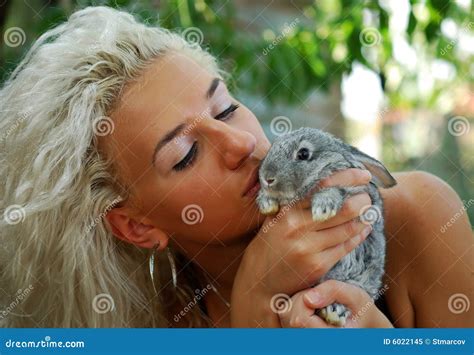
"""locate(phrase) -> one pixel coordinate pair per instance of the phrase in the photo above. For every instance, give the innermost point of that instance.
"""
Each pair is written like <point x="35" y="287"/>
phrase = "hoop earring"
<point x="172" y="266"/>
<point x="151" y="265"/>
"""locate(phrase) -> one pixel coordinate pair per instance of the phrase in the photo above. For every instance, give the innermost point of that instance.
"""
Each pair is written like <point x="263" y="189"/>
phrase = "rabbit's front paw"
<point x="325" y="204"/>
<point x="267" y="205"/>
<point x="335" y="314"/>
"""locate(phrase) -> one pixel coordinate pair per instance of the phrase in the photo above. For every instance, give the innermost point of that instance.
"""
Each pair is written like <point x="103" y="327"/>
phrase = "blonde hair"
<point x="57" y="187"/>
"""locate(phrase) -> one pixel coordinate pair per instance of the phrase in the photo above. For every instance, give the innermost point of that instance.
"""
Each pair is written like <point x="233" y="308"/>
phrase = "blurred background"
<point x="392" y="77"/>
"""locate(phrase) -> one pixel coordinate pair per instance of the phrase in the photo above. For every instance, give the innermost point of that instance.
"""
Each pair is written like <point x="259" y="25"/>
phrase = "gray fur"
<point x="295" y="178"/>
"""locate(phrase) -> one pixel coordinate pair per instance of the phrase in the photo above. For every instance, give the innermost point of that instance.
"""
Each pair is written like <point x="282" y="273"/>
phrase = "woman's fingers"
<point x="364" y="313"/>
<point x="348" y="177"/>
<point x="351" y="208"/>
<point x="299" y="315"/>
<point x="309" y="321"/>
<point x="340" y="229"/>
<point x="331" y="291"/>
<point x="316" y="322"/>
<point x="326" y="259"/>
<point x="342" y="236"/>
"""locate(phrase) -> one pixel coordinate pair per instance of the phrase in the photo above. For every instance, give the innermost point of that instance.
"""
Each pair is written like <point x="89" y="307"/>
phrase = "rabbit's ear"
<point x="380" y="175"/>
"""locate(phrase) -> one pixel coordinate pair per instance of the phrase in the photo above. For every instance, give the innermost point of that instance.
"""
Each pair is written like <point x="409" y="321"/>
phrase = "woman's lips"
<point x="252" y="186"/>
<point x="253" y="190"/>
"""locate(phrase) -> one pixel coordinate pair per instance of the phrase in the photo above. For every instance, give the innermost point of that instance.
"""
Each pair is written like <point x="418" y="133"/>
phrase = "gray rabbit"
<point x="293" y="166"/>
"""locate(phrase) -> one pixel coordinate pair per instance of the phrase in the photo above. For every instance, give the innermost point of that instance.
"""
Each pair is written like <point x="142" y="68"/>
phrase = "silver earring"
<point x="151" y="265"/>
<point x="173" y="267"/>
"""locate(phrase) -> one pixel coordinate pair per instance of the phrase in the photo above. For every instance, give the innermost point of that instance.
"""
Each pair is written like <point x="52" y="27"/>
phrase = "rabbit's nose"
<point x="270" y="181"/>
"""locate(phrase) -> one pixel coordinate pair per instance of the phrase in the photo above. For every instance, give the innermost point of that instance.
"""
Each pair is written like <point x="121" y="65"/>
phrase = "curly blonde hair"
<point x="57" y="187"/>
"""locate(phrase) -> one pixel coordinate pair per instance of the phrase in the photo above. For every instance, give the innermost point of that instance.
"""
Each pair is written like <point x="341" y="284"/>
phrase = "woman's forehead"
<point x="170" y="80"/>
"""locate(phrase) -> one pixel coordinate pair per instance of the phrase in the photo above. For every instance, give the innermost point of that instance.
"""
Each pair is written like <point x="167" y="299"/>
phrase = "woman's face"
<point x="188" y="150"/>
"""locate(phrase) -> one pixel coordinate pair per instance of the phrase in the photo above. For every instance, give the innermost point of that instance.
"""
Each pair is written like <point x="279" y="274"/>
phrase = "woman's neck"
<point x="218" y="261"/>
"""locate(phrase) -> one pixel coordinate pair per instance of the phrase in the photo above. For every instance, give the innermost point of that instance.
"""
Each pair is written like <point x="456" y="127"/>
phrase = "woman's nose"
<point x="238" y="146"/>
<point x="235" y="145"/>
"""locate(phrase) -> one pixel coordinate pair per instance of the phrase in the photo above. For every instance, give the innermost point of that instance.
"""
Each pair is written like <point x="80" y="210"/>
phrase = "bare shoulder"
<point x="429" y="252"/>
<point x="423" y="202"/>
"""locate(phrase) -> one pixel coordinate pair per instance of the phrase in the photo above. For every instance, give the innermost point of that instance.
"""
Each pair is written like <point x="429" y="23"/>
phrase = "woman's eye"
<point x="188" y="159"/>
<point x="227" y="113"/>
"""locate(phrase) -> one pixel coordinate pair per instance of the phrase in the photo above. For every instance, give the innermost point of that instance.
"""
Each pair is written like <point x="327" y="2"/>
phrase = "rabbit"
<point x="295" y="163"/>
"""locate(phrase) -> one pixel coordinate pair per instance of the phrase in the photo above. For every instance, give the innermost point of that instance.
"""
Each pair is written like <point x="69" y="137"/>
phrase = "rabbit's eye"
<point x="303" y="154"/>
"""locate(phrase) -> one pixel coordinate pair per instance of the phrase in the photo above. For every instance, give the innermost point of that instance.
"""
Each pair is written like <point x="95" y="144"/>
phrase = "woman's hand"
<point x="291" y="252"/>
<point x="299" y="311"/>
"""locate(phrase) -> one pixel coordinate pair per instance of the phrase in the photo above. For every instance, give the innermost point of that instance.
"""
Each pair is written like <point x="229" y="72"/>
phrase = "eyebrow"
<point x="166" y="139"/>
<point x="212" y="89"/>
<point x="175" y="131"/>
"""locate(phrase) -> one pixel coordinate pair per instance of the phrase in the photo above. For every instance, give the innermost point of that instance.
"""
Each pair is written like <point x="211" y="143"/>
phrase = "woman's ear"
<point x="124" y="226"/>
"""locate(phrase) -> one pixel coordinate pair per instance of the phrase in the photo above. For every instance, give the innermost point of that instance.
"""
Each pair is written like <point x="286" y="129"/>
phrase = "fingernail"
<point x="368" y="174"/>
<point x="313" y="297"/>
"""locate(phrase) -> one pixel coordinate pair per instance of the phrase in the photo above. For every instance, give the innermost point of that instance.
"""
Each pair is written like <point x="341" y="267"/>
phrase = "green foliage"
<point x="313" y="51"/>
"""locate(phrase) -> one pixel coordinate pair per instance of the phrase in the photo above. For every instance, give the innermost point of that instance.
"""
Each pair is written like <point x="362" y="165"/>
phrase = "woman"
<point x="127" y="159"/>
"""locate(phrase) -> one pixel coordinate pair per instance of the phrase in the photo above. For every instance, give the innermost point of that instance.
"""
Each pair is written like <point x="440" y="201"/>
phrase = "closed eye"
<point x="227" y="113"/>
<point x="191" y="156"/>
<point x="188" y="159"/>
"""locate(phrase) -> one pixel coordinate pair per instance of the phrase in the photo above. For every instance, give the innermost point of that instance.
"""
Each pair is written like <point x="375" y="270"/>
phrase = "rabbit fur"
<point x="295" y="163"/>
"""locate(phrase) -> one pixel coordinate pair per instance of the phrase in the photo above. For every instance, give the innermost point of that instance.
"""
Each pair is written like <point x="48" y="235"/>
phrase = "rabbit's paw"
<point x="267" y="205"/>
<point x="335" y="314"/>
<point x="325" y="204"/>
